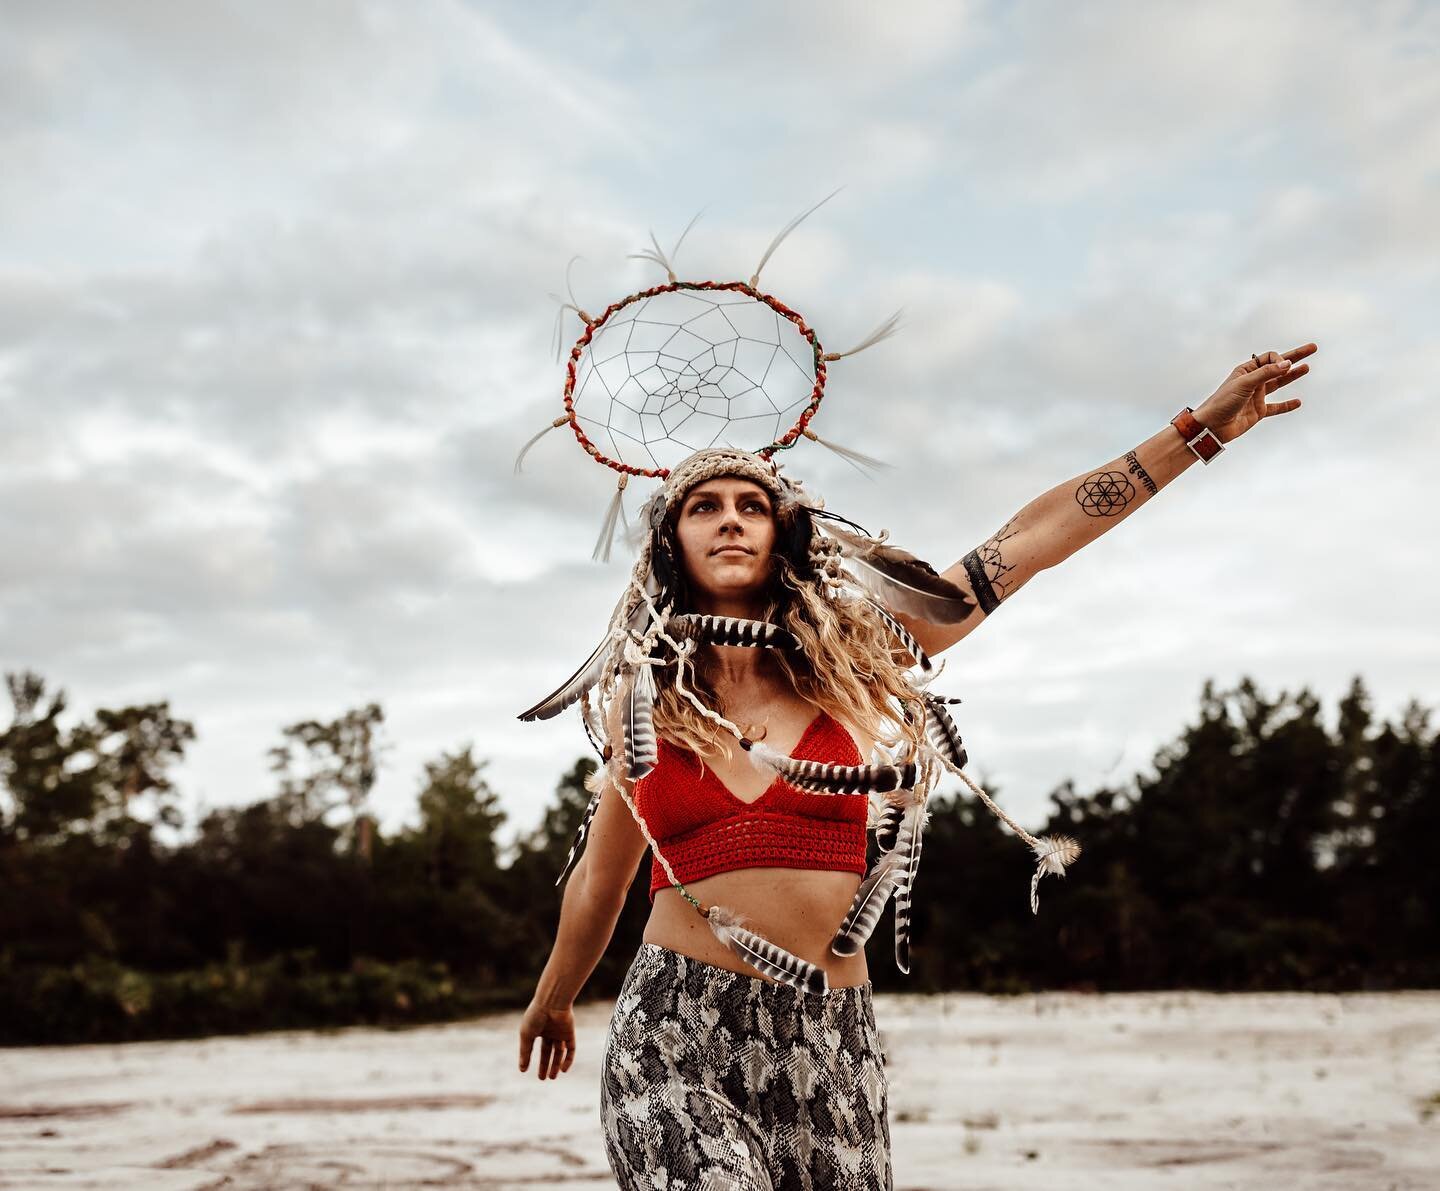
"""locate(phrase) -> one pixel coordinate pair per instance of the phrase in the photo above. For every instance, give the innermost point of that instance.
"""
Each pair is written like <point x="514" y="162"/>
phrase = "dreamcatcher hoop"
<point x="783" y="440"/>
<point x="593" y="326"/>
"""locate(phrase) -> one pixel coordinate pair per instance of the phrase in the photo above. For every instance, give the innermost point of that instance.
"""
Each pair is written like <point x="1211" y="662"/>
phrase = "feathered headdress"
<point x="649" y="640"/>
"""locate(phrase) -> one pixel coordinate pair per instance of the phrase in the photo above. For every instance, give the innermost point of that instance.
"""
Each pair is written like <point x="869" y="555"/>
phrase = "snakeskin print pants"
<point x="719" y="1081"/>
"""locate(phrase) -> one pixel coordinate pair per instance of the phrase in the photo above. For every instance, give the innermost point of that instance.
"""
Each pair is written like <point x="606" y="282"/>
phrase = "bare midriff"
<point x="797" y="909"/>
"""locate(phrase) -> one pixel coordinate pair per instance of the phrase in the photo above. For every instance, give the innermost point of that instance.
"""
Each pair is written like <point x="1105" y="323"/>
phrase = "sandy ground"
<point x="1055" y="1091"/>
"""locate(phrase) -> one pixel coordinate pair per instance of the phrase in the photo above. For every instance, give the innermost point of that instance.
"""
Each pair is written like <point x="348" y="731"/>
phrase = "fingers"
<point x="1281" y="407"/>
<point x="1294" y="355"/>
<point x="555" y="1057"/>
<point x="527" y="1044"/>
<point x="1293" y="374"/>
<point x="1272" y="372"/>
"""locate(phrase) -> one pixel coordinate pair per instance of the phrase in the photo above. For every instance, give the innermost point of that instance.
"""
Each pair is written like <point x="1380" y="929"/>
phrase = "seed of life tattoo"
<point x="987" y="569"/>
<point x="1105" y="494"/>
<point x="1137" y="470"/>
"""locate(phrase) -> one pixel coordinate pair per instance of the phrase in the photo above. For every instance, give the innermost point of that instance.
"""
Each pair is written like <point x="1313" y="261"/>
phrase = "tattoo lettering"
<point x="1137" y="470"/>
<point x="1105" y="494"/>
<point x="987" y="569"/>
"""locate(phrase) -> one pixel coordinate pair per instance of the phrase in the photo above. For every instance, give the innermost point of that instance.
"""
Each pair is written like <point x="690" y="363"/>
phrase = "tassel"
<point x="856" y="459"/>
<point x="786" y="230"/>
<point x="579" y="845"/>
<point x="867" y="907"/>
<point x="658" y="256"/>
<point x="559" y="321"/>
<point x="887" y="827"/>
<point x="883" y="331"/>
<point x="1053" y="852"/>
<point x="940" y="731"/>
<point x="612" y="516"/>
<point x="641" y="745"/>
<point x="818" y="777"/>
<point x="763" y="955"/>
<point x="570" y="305"/>
<point x="730" y="630"/>
<point x="520" y="458"/>
<point x="906" y="639"/>
<point x="907" y="584"/>
<point x="907" y="853"/>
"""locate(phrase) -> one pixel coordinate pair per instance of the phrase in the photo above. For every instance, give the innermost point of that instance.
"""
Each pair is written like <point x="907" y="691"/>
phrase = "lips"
<point x="732" y="550"/>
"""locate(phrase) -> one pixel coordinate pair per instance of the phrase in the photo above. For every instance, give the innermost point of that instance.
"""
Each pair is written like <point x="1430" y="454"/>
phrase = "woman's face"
<point x="726" y="531"/>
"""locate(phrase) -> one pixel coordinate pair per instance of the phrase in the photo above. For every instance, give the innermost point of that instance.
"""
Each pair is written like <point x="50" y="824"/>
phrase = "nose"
<point x="730" y="521"/>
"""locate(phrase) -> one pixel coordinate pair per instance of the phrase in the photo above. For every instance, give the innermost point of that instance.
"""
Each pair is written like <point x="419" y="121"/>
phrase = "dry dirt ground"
<point x="1053" y="1091"/>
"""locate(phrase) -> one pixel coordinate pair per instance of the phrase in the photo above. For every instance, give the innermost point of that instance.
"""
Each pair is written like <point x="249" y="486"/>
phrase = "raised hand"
<point x="555" y="1028"/>
<point x="1240" y="401"/>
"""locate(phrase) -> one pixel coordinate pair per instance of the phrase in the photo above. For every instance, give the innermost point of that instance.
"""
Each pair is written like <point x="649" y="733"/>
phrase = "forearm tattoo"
<point x="1137" y="470"/>
<point x="1105" y="494"/>
<point x="987" y="568"/>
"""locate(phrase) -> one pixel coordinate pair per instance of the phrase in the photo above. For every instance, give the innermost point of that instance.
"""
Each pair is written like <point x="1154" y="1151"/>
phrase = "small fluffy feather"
<point x="1053" y="853"/>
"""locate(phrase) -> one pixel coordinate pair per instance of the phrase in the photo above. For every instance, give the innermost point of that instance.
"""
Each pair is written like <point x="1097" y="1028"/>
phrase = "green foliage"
<point x="105" y="777"/>
<point x="1265" y="849"/>
<point x="329" y="766"/>
<point x="100" y="1000"/>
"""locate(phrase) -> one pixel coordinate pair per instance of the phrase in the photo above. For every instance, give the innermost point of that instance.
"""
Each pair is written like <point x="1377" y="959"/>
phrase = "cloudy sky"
<point x="274" y="321"/>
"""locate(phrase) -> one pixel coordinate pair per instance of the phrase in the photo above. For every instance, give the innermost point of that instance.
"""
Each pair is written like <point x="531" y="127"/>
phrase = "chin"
<point x="750" y="584"/>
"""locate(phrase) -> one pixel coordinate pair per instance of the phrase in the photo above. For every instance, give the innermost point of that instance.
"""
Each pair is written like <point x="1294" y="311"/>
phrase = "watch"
<point x="1200" y="439"/>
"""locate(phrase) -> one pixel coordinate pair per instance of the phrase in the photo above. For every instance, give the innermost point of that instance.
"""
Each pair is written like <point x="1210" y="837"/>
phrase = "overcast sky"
<point x="274" y="321"/>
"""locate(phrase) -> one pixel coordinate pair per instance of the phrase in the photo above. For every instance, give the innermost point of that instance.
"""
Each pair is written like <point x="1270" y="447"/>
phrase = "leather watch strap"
<point x="1200" y="439"/>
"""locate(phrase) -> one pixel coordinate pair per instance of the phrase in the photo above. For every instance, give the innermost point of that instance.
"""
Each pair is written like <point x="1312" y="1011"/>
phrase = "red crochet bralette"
<point x="704" y="829"/>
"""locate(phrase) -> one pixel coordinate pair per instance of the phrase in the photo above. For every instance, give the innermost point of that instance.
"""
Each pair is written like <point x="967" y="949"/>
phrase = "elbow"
<point x="600" y="886"/>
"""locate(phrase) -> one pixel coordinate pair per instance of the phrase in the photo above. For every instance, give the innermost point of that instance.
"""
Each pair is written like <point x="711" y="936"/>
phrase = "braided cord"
<point x="655" y="848"/>
<point x="989" y="802"/>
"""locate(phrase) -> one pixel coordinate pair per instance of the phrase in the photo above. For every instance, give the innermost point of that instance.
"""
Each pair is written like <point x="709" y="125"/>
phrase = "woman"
<point x="709" y="1066"/>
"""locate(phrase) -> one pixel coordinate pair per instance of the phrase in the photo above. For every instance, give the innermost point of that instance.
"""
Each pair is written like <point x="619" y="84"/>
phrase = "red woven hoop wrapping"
<point x="788" y="439"/>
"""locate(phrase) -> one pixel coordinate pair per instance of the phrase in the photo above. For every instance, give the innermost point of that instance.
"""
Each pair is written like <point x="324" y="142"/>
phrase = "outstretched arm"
<point x="1073" y="514"/>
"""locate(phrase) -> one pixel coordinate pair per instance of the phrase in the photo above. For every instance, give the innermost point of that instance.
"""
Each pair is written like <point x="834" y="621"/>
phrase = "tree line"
<point x="1266" y="849"/>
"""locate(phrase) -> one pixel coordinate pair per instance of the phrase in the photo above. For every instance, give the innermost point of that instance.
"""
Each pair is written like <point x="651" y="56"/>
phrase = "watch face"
<point x="1206" y="445"/>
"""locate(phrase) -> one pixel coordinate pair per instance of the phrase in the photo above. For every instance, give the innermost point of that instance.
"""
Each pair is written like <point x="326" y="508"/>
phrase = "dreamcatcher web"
<point x="680" y="371"/>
